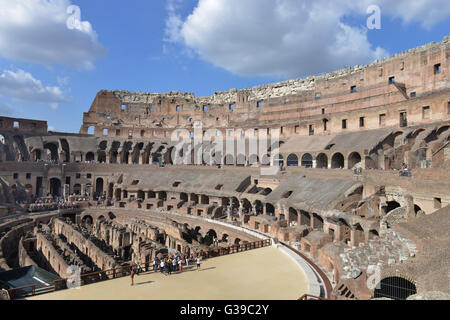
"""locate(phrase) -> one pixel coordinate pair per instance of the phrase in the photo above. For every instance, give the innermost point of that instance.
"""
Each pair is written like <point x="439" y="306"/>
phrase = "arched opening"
<point x="441" y="130"/>
<point x="2" y="139"/>
<point x="162" y="195"/>
<point x="194" y="198"/>
<point x="318" y="221"/>
<point x="240" y="160"/>
<point x="292" y="160"/>
<point x="66" y="150"/>
<point x="305" y="218"/>
<point x="87" y="221"/>
<point x="141" y="195"/>
<point x="258" y="207"/>
<point x="99" y="186"/>
<point x="55" y="187"/>
<point x="354" y="159"/>
<point x="391" y="205"/>
<point x="266" y="191"/>
<point x="293" y="217"/>
<point x="253" y="159"/>
<point x="53" y="148"/>
<point x="417" y="209"/>
<point x="91" y="130"/>
<point x="101" y="157"/>
<point x="270" y="210"/>
<point x="237" y="241"/>
<point x="184" y="197"/>
<point x="209" y="237"/>
<point x="229" y="160"/>
<point x="307" y="160"/>
<point x="111" y="215"/>
<point x="337" y="161"/>
<point x="322" y="161"/>
<point x="90" y="156"/>
<point x="396" y="288"/>
<point x="118" y="194"/>
<point x="77" y="189"/>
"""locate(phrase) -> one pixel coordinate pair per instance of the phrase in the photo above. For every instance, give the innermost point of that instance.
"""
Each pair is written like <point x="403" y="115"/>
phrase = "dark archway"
<point x="396" y="288"/>
<point x="53" y="150"/>
<point x="270" y="209"/>
<point x="322" y="161"/>
<point x="307" y="160"/>
<point x="292" y="160"/>
<point x="353" y="159"/>
<point x="99" y="186"/>
<point x="391" y="205"/>
<point x="55" y="187"/>
<point x="90" y="156"/>
<point x="337" y="161"/>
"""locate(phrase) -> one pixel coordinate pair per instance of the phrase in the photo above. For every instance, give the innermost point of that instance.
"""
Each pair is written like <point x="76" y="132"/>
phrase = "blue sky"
<point x="192" y="46"/>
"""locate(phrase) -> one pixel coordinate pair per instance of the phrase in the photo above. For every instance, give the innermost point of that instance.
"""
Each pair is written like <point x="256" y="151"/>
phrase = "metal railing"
<point x="61" y="284"/>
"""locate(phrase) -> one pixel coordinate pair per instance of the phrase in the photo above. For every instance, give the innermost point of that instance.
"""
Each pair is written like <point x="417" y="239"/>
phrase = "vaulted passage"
<point x="395" y="288"/>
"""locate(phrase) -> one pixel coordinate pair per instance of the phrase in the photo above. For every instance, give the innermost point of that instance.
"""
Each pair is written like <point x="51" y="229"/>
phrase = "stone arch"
<point x="77" y="189"/>
<point x="90" y="156"/>
<point x="395" y="287"/>
<point x="391" y="205"/>
<point x="337" y="161"/>
<point x="292" y="160"/>
<point x="270" y="209"/>
<point x="305" y="218"/>
<point x="293" y="217"/>
<point x="240" y="159"/>
<point x="322" y="161"/>
<point x="228" y="160"/>
<point x="99" y="184"/>
<point x="87" y="220"/>
<point x="318" y="221"/>
<point x="66" y="150"/>
<point x="253" y="159"/>
<point x="442" y="129"/>
<point x="307" y="160"/>
<point x="354" y="159"/>
<point x="55" y="187"/>
<point x="111" y="215"/>
<point x="53" y="148"/>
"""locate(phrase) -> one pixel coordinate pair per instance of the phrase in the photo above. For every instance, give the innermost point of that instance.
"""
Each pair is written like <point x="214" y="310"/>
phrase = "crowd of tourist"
<point x="168" y="265"/>
<point x="49" y="203"/>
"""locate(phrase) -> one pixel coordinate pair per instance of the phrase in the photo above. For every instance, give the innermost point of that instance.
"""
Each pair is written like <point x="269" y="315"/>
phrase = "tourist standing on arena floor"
<point x="174" y="265"/>
<point x="132" y="275"/>
<point x="198" y="263"/>
<point x="162" y="266"/>
<point x="180" y="265"/>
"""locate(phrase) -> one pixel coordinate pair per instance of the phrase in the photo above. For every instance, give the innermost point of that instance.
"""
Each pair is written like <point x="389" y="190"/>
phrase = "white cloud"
<point x="22" y="86"/>
<point x="36" y="31"/>
<point x="284" y="37"/>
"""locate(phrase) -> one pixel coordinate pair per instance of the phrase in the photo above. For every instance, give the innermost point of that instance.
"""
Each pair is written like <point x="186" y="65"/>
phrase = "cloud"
<point x="284" y="37"/>
<point x="22" y="86"/>
<point x="37" y="31"/>
<point x="5" y="109"/>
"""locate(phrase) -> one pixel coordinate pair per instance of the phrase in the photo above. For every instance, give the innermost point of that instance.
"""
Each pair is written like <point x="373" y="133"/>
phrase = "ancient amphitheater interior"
<point x="352" y="188"/>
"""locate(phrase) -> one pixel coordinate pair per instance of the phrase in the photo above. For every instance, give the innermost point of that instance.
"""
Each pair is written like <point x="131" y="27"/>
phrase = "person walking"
<point x="187" y="261"/>
<point x="174" y="265"/>
<point x="132" y="275"/>
<point x="180" y="265"/>
<point x="198" y="263"/>
<point x="162" y="266"/>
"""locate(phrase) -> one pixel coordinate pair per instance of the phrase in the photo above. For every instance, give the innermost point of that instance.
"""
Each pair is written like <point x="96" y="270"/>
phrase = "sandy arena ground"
<point x="260" y="274"/>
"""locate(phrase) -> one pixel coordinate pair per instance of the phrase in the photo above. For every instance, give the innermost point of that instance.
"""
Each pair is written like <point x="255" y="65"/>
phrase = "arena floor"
<point x="260" y="274"/>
